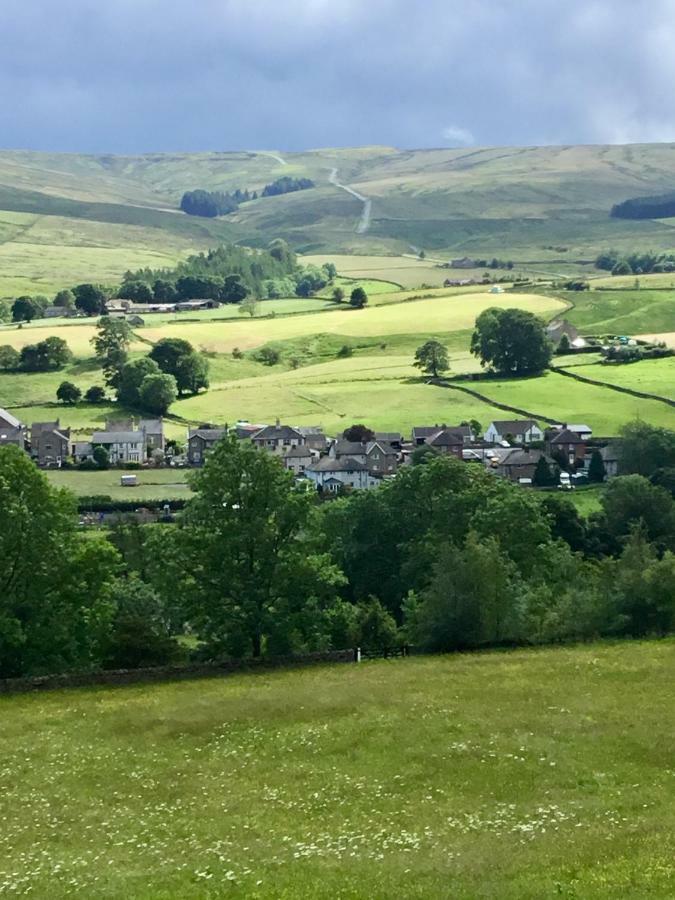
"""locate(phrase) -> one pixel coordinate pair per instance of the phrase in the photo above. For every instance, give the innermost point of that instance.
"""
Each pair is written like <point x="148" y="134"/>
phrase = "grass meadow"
<point x="524" y="774"/>
<point x="153" y="484"/>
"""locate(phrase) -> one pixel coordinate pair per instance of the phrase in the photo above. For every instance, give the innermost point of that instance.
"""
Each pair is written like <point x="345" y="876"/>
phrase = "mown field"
<point x="525" y="774"/>
<point x="153" y="484"/>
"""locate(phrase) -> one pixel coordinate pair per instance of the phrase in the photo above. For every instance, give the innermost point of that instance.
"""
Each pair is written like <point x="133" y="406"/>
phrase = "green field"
<point x="153" y="484"/>
<point x="527" y="774"/>
<point x="653" y="376"/>
<point x="621" y="312"/>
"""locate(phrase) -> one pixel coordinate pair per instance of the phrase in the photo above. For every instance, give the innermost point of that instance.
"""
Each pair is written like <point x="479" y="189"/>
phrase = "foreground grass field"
<point x="528" y="774"/>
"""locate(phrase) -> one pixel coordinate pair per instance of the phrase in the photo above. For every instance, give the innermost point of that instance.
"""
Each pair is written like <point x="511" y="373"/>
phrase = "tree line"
<point x="444" y="556"/>
<point x="638" y="263"/>
<point x="211" y="204"/>
<point x="658" y="206"/>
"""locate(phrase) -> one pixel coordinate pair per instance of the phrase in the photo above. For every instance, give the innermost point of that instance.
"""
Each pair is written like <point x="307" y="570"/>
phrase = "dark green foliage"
<point x="137" y="291"/>
<point x="358" y="434"/>
<point x="207" y="203"/>
<point x="157" y="393"/>
<point x="101" y="457"/>
<point x="596" y="468"/>
<point x="432" y="358"/>
<point x="139" y="634"/>
<point x="631" y="501"/>
<point x="68" y="393"/>
<point x="310" y="281"/>
<point x="268" y="356"/>
<point x="285" y="185"/>
<point x="177" y="357"/>
<point x="659" y="206"/>
<point x="543" y="474"/>
<point x="10" y="358"/>
<point x="338" y="294"/>
<point x="53" y="612"/>
<point x="511" y="341"/>
<point x="89" y="299"/>
<point x="255" y="583"/>
<point x="644" y="448"/>
<point x="111" y="346"/>
<point x="564" y="345"/>
<point x="665" y="478"/>
<point x="234" y="290"/>
<point x="375" y="627"/>
<point x="164" y="291"/>
<point x="131" y="378"/>
<point x="24" y="309"/>
<point x="49" y="355"/>
<point x="635" y="263"/>
<point x="358" y="298"/>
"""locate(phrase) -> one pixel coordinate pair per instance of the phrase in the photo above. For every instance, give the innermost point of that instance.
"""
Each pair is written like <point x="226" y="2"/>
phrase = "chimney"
<point x="278" y="423"/>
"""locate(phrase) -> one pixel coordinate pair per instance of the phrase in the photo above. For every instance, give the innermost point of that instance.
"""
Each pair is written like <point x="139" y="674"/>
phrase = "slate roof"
<point x="207" y="434"/>
<point x="349" y="448"/>
<point x="300" y="451"/>
<point x="346" y="464"/>
<point x="117" y="437"/>
<point x="514" y="426"/>
<point x="154" y="426"/>
<point x="566" y="437"/>
<point x="276" y="433"/>
<point x="386" y="448"/>
<point x="389" y="437"/>
<point x="12" y="421"/>
<point x="446" y="437"/>
<point x="518" y="457"/>
<point x="10" y="435"/>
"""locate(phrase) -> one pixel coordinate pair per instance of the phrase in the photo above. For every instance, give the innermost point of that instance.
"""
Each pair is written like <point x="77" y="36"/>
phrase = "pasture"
<point x="621" y="312"/>
<point x="523" y="774"/>
<point x="653" y="376"/>
<point x="153" y="484"/>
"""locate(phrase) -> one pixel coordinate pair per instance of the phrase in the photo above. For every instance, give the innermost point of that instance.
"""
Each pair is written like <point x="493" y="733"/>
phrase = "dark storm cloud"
<point x="137" y="75"/>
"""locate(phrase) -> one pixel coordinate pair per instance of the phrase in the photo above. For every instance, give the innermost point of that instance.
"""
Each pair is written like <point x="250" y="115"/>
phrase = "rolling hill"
<point x="69" y="217"/>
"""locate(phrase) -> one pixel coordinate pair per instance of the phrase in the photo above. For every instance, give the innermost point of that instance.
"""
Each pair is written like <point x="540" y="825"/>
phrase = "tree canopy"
<point x="432" y="358"/>
<point x="511" y="342"/>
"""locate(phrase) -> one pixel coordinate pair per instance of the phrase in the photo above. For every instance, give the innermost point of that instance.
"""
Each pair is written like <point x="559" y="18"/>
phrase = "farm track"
<point x="364" y="222"/>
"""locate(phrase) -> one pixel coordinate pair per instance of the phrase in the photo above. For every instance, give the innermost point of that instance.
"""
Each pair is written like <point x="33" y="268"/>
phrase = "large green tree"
<point x="511" y="342"/>
<point x="256" y="583"/>
<point x="644" y="448"/>
<point x="432" y="358"/>
<point x="90" y="299"/>
<point x="157" y="393"/>
<point x="53" y="612"/>
<point x="111" y="346"/>
<point x="131" y="378"/>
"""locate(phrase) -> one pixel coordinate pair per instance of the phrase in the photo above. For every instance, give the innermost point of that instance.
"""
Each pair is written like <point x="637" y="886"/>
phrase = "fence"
<point x="184" y="672"/>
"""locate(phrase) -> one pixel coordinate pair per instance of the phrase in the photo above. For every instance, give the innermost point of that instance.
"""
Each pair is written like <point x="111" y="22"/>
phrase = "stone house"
<point x="278" y="438"/>
<point x="567" y="444"/>
<point x="49" y="443"/>
<point x="381" y="458"/>
<point x="12" y="431"/>
<point x="297" y="459"/>
<point x="200" y="442"/>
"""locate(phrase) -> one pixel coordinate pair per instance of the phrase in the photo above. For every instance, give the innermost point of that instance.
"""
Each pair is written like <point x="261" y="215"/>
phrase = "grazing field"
<point x="621" y="312"/>
<point x="566" y="400"/>
<point x="153" y="484"/>
<point x="586" y="499"/>
<point x="525" y="774"/>
<point x="653" y="376"/>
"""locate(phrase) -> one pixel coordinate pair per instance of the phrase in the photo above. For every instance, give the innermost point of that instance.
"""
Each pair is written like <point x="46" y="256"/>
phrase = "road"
<point x="364" y="222"/>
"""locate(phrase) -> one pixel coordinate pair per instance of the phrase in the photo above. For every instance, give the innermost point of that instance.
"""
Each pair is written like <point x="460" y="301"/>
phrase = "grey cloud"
<point x="139" y="75"/>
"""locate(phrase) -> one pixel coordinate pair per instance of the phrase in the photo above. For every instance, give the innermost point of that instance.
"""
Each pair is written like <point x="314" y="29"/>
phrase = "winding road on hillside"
<point x="275" y="156"/>
<point x="364" y="222"/>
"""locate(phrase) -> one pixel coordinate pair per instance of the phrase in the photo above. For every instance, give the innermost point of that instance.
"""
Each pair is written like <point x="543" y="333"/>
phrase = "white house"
<point x="122" y="446"/>
<point x="519" y="431"/>
<point x="330" y="474"/>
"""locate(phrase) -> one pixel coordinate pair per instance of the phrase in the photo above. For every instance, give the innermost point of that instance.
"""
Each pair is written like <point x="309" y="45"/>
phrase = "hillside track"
<point x="364" y="222"/>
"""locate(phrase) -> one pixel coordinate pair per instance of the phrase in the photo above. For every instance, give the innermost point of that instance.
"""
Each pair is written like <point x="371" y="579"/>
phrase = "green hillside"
<point x="527" y="774"/>
<point x="546" y="206"/>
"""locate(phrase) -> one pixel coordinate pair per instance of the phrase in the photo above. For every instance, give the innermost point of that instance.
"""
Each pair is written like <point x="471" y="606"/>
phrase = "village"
<point x="359" y="459"/>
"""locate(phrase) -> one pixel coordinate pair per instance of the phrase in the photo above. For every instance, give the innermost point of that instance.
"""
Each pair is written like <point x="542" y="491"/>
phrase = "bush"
<point x="95" y="394"/>
<point x="268" y="356"/>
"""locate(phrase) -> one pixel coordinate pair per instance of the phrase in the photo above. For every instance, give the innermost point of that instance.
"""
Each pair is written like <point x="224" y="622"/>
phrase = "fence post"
<point x="357" y="655"/>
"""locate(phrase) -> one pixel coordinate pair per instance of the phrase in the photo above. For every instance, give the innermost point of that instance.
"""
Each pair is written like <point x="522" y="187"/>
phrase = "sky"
<point x="133" y="76"/>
